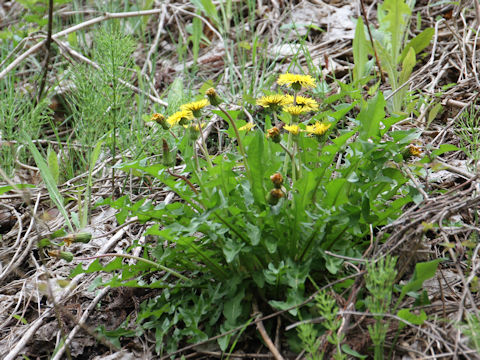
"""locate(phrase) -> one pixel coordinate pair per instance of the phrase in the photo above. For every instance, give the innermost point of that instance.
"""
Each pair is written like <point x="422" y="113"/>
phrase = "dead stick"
<point x="48" y="48"/>
<point x="371" y="40"/>
<point x="265" y="337"/>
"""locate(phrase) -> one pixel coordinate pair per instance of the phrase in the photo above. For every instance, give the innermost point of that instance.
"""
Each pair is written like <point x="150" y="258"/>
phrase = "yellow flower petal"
<point x="318" y="128"/>
<point x="303" y="101"/>
<point x="295" y="110"/>
<point x="195" y="106"/>
<point x="248" y="126"/>
<point x="272" y="100"/>
<point x="178" y="116"/>
<point x="305" y="81"/>
<point x="293" y="129"/>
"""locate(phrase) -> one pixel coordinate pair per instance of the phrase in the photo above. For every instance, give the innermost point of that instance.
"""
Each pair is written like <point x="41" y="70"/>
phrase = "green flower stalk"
<point x="196" y="109"/>
<point x="168" y="158"/>
<point x="294" y="130"/>
<point x="211" y="94"/>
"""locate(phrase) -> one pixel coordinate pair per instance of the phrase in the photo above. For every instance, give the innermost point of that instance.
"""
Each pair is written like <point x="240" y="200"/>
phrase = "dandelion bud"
<point x="213" y="97"/>
<point x="274" y="196"/>
<point x="64" y="255"/>
<point x="274" y="134"/>
<point x="277" y="180"/>
<point x="83" y="237"/>
<point x="160" y="119"/>
<point x="194" y="131"/>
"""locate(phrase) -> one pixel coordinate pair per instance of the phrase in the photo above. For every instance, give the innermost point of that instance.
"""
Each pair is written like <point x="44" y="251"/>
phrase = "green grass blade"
<point x="50" y="183"/>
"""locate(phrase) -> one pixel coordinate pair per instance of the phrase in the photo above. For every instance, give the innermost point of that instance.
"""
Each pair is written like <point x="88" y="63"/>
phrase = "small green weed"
<point x="469" y="135"/>
<point x="471" y="328"/>
<point x="379" y="282"/>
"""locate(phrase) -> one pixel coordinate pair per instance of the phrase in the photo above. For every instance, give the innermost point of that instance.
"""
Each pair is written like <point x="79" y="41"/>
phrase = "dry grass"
<point x="25" y="217"/>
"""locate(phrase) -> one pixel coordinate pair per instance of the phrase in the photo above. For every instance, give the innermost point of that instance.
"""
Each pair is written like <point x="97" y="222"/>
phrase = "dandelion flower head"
<point x="292" y="129"/>
<point x="415" y="150"/>
<point x="195" y="106"/>
<point x="318" y="128"/>
<point x="303" y="101"/>
<point x="272" y="101"/>
<point x="295" y="110"/>
<point x="180" y="116"/>
<point x="296" y="81"/>
<point x="157" y="118"/>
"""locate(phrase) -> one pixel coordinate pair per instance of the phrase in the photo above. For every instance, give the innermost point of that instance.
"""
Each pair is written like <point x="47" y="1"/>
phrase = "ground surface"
<point x="452" y="58"/>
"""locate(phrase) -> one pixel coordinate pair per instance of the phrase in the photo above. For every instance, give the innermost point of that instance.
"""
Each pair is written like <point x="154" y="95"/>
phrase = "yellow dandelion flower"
<point x="303" y="101"/>
<point x="180" y="117"/>
<point x="272" y="101"/>
<point x="295" y="110"/>
<point x="318" y="129"/>
<point x="248" y="126"/>
<point x="411" y="151"/>
<point x="415" y="150"/>
<point x="296" y="81"/>
<point x="293" y="129"/>
<point x="195" y="106"/>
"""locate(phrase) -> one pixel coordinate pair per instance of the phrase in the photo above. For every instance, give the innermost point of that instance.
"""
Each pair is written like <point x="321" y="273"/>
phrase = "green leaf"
<point x="294" y="297"/>
<point x="360" y="51"/>
<point x="7" y="188"/>
<point x="423" y="271"/>
<point x="232" y="309"/>
<point x="196" y="37"/>
<point x="253" y="233"/>
<point x="257" y="167"/>
<point x="231" y="250"/>
<point x="444" y="148"/>
<point x="432" y="114"/>
<point x="20" y="318"/>
<point x="336" y="193"/>
<point x="418" y="43"/>
<point x="209" y="8"/>
<point x="333" y="264"/>
<point x="175" y="95"/>
<point x="49" y="182"/>
<point x="371" y="116"/>
<point x="396" y="20"/>
<point x="52" y="162"/>
<point x="348" y="350"/>
<point x="408" y="64"/>
<point x="412" y="318"/>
